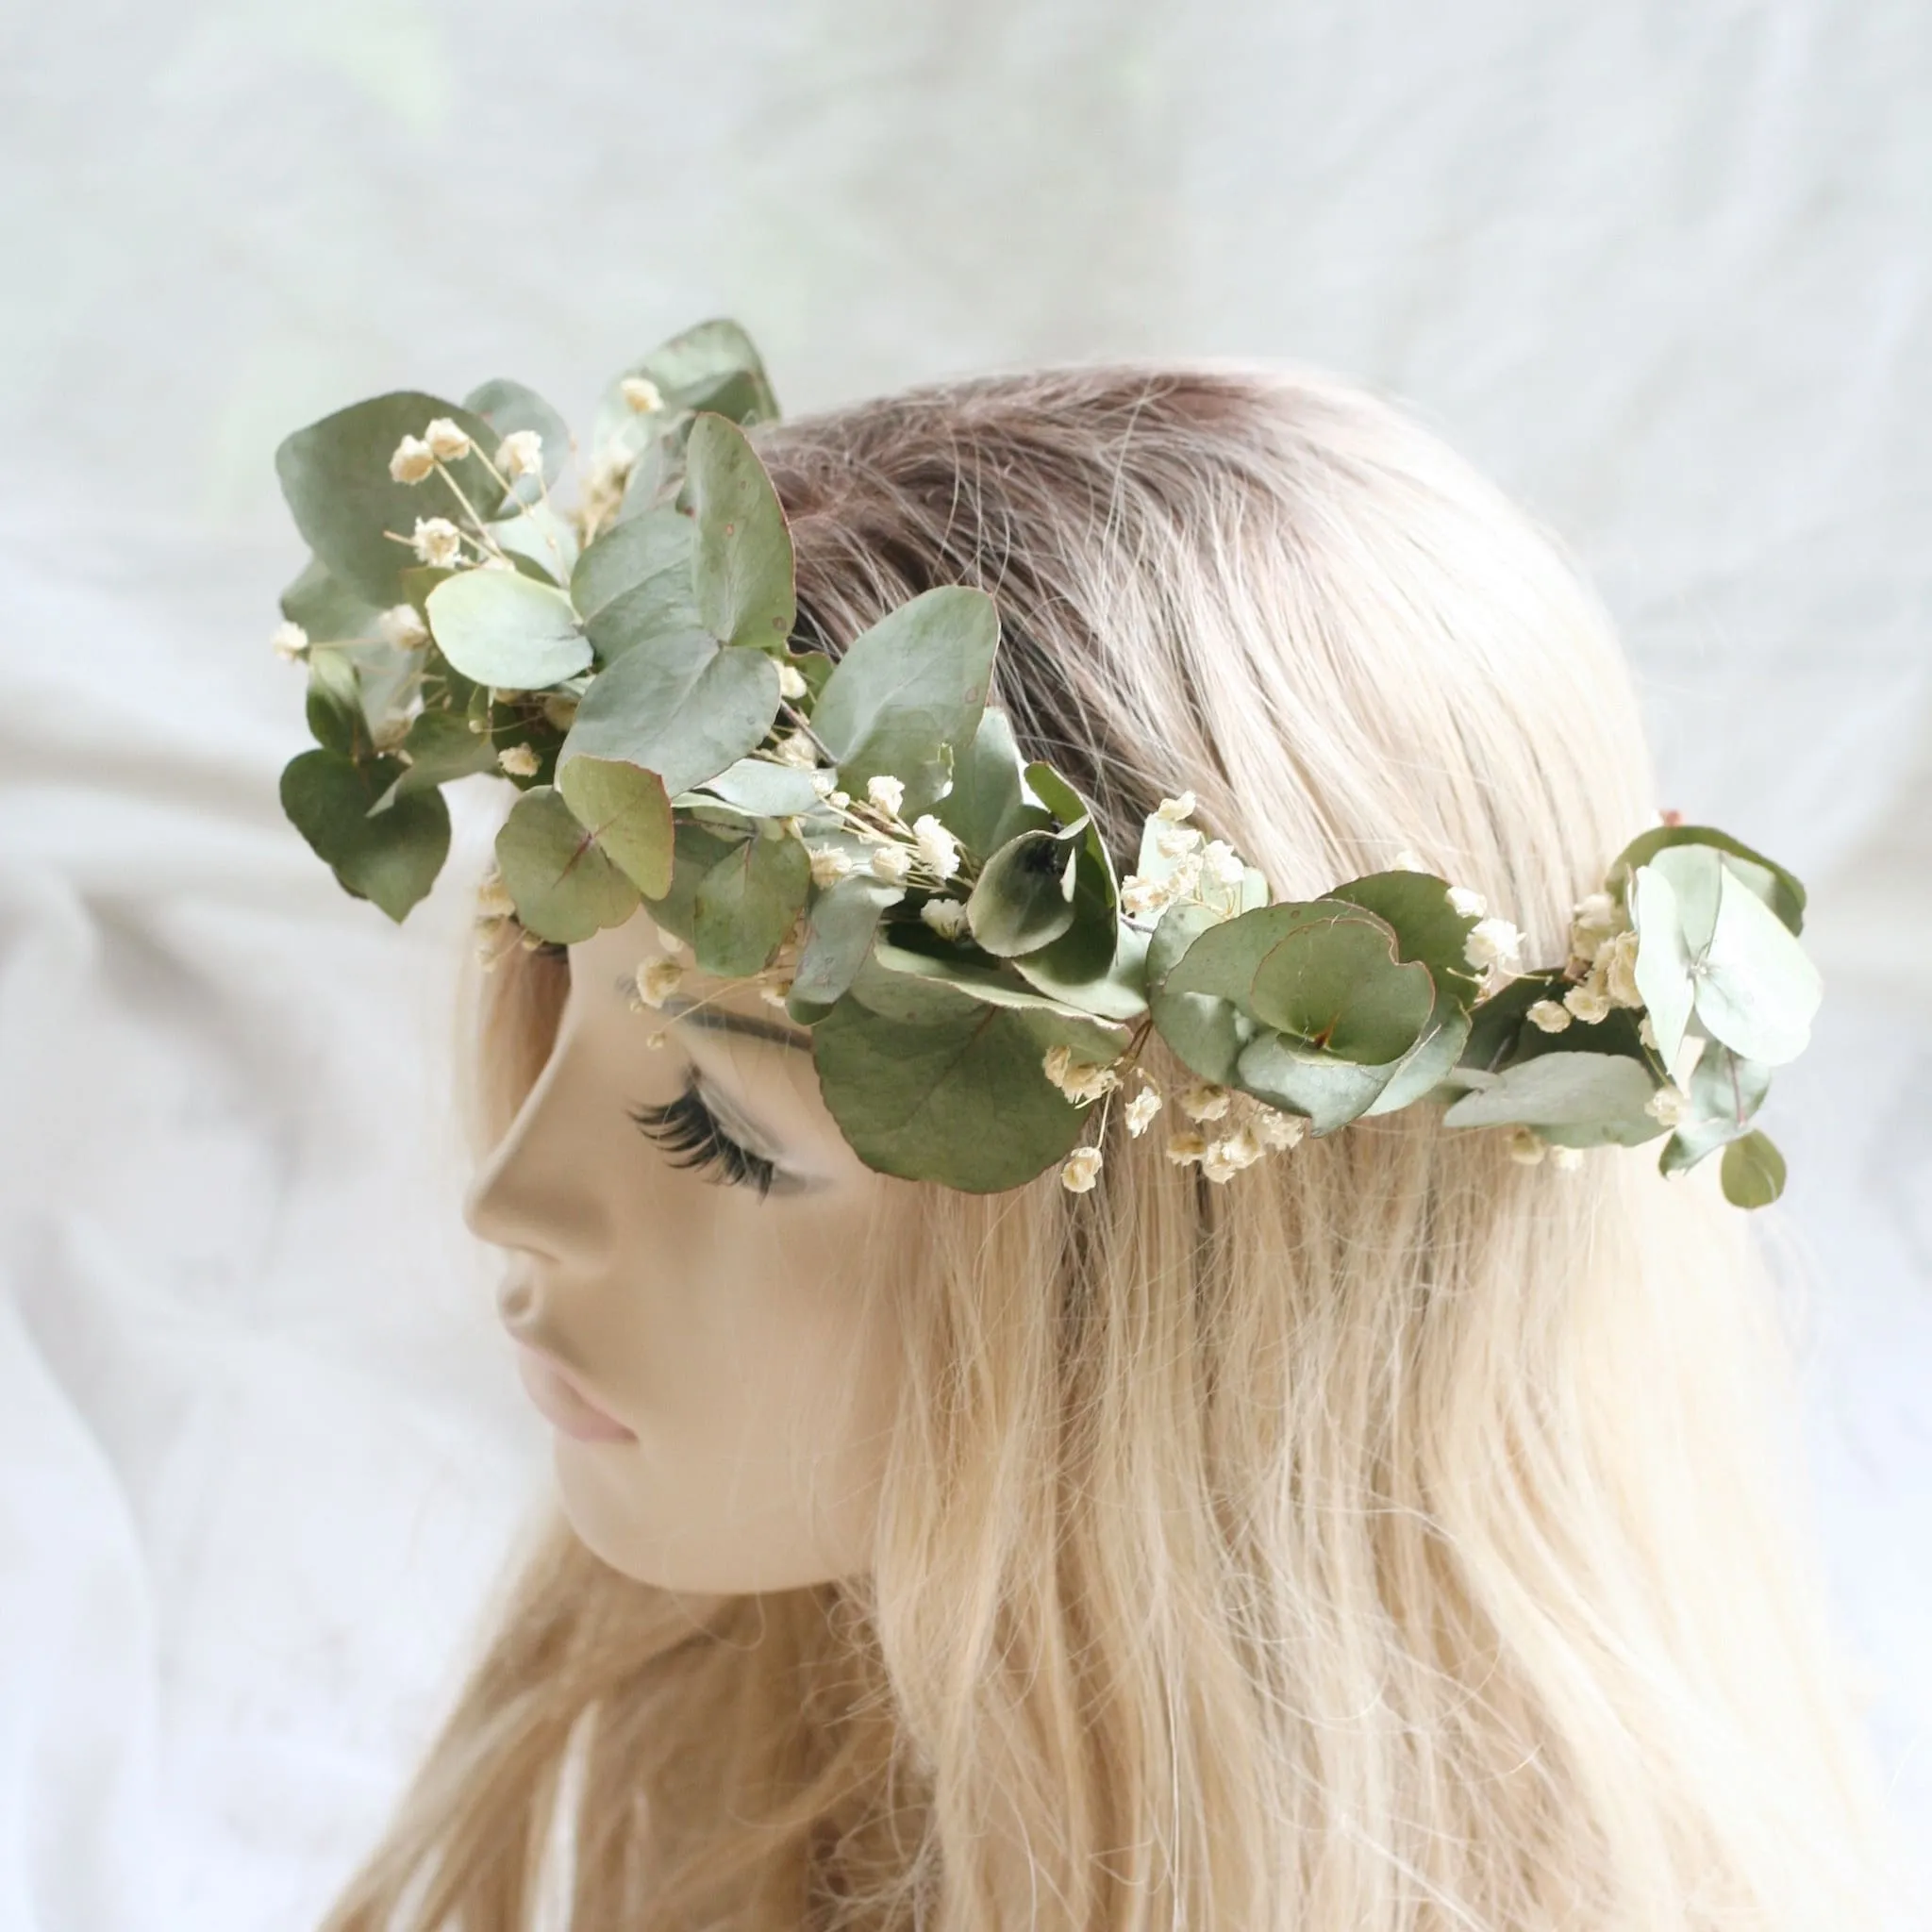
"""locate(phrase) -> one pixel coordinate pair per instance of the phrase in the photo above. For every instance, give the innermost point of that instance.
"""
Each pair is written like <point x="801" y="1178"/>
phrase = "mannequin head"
<point x="1313" y="1551"/>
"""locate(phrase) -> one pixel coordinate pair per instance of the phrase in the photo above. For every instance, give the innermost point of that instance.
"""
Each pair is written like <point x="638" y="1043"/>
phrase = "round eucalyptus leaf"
<point x="993" y="982"/>
<point x="635" y="582"/>
<point x="1117" y="991"/>
<point x="335" y="475"/>
<point x="1663" y="960"/>
<point x="502" y="628"/>
<point x="765" y="788"/>
<point x="507" y="406"/>
<point x="391" y="858"/>
<point x="711" y="366"/>
<point x="1337" y="985"/>
<point x="1429" y="1064"/>
<point x="538" y="540"/>
<point x="1696" y="874"/>
<point x="1757" y="990"/>
<point x="987" y="805"/>
<point x="628" y="811"/>
<point x="1584" y="1090"/>
<point x="747" y="904"/>
<point x="1024" y="897"/>
<point x="1753" y="1174"/>
<point x="907" y="696"/>
<point x="1300" y="1080"/>
<point x="1084" y="954"/>
<point x="564" y="886"/>
<point x="1778" y="888"/>
<point x="839" y="933"/>
<point x="442" y="747"/>
<point x="696" y="848"/>
<point x="327" y="609"/>
<point x="679" y="705"/>
<point x="1428" y="930"/>
<point x="1206" y="1031"/>
<point x="1725" y="1092"/>
<point x="742" y="551"/>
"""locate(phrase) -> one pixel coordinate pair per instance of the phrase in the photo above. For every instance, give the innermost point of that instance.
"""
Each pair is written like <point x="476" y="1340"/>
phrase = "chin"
<point x="607" y="1501"/>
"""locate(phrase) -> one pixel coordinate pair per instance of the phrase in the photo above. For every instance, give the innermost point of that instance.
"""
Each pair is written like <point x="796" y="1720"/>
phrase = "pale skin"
<point x="720" y="1385"/>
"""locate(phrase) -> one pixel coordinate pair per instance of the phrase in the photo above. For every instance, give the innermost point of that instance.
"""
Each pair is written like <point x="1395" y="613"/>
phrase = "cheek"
<point x="761" y="1386"/>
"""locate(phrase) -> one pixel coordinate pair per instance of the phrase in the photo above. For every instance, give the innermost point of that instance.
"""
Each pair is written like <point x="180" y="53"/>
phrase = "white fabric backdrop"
<point x="1662" y="269"/>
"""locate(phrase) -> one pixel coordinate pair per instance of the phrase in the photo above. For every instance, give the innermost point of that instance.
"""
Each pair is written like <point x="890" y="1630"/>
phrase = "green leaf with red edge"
<point x="564" y="886"/>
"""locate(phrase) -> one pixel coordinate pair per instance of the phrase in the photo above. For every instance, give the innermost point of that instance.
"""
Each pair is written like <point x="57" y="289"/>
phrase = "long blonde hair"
<point x="1396" y="1536"/>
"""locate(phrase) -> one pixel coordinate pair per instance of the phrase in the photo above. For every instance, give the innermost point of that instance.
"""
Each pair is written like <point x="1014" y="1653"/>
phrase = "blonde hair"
<point x="1396" y="1536"/>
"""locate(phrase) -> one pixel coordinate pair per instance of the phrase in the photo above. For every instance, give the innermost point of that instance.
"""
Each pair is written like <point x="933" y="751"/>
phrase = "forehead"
<point x="607" y="962"/>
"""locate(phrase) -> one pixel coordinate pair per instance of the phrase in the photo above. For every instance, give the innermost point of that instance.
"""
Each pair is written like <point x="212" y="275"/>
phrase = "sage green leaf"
<point x="711" y="366"/>
<point x="1338" y="986"/>
<point x="1599" y="1094"/>
<point x="565" y="887"/>
<point x="908" y="693"/>
<point x="992" y="980"/>
<point x="391" y="858"/>
<point x="1206" y="1031"/>
<point x="1696" y="874"/>
<point x="1428" y="930"/>
<point x="442" y="747"/>
<point x="695" y="849"/>
<point x="1023" y="897"/>
<point x="747" y="904"/>
<point x="742" y="550"/>
<point x="1285" y="1073"/>
<point x="334" y="705"/>
<point x="1117" y="991"/>
<point x="502" y="628"/>
<point x="1757" y="988"/>
<point x="635" y="582"/>
<point x="1724" y="1093"/>
<point x="335" y="475"/>
<point x="507" y="406"/>
<point x="987" y="805"/>
<point x="1663" y="970"/>
<point x="538" y="538"/>
<point x="1429" y="1064"/>
<point x="839" y="933"/>
<point x="959" y="1098"/>
<point x="628" y="811"/>
<point x="327" y="609"/>
<point x="1753" y="1174"/>
<point x="766" y="788"/>
<point x="1778" y="888"/>
<point x="1084" y="954"/>
<point x="681" y="706"/>
<point x="1223" y="957"/>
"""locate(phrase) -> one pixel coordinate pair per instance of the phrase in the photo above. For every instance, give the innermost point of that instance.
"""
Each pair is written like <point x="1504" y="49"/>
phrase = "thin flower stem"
<point x="484" y="539"/>
<point x="522" y="507"/>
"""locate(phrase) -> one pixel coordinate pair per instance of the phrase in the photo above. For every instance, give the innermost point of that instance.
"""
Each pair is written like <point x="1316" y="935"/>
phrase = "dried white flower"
<point x="1172" y="841"/>
<point x="437" y="542"/>
<point x="1080" y="1169"/>
<point x="641" y="393"/>
<point x="1221" y="862"/>
<point x="1140" y="895"/>
<point x="1275" y="1129"/>
<point x="520" y="454"/>
<point x="829" y="865"/>
<point x="446" y="440"/>
<point x="520" y="761"/>
<point x="1525" y="1149"/>
<point x="947" y="917"/>
<point x="1550" y="1015"/>
<point x="1668" y="1106"/>
<point x="1589" y="1001"/>
<point x="1142" y="1107"/>
<point x="290" y="643"/>
<point x="893" y="863"/>
<point x="658" y="980"/>
<point x="1185" y="1146"/>
<point x="792" y="682"/>
<point x="1468" y="903"/>
<point x="886" y="792"/>
<point x="402" y="627"/>
<point x="938" y="848"/>
<point x="775" y="992"/>
<point x="837" y="800"/>
<point x="1647" y="1033"/>
<point x="796" y="748"/>
<point x="1596" y="913"/>
<point x="1493" y="945"/>
<point x="1079" y="1080"/>
<point x="412" y="461"/>
<point x="1206" y="1101"/>
<point x="824" y="783"/>
<point x="492" y="897"/>
<point x="1566" y="1159"/>
<point x="1408" y="860"/>
<point x="1616" y="960"/>
<point x="1176" y="810"/>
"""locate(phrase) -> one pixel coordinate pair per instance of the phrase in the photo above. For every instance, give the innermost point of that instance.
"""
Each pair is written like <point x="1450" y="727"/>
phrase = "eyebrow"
<point x="722" y="1020"/>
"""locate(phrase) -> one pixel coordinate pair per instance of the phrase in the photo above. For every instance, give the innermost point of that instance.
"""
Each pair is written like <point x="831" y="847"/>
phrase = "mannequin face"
<point x="719" y="1391"/>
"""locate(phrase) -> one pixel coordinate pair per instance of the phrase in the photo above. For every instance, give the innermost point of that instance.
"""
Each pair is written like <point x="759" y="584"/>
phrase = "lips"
<point x="562" y="1404"/>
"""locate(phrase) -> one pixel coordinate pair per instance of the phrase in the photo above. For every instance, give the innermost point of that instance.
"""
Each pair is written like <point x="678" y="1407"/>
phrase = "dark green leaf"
<point x="747" y="904"/>
<point x="629" y="812"/>
<point x="329" y="611"/>
<point x="1206" y="1031"/>
<point x="334" y="703"/>
<point x="564" y="886"/>
<point x="1299" y="1079"/>
<point x="503" y="629"/>
<point x="1083" y="955"/>
<point x="695" y="849"/>
<point x="1336" y="984"/>
<point x="1023" y="897"/>
<point x="443" y="747"/>
<point x="1428" y="928"/>
<point x="839" y="933"/>
<point x="1752" y="1174"/>
<point x="987" y="804"/>
<point x="391" y="858"/>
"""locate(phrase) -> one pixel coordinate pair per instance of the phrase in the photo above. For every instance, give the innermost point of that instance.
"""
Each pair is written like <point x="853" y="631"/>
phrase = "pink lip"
<point x="563" y="1405"/>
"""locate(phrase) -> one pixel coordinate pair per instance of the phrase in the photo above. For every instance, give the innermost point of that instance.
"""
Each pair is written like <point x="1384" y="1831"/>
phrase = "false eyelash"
<point x="690" y="1132"/>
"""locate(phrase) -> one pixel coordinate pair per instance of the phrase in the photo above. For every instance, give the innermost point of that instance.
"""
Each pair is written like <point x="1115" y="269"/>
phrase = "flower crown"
<point x="862" y="839"/>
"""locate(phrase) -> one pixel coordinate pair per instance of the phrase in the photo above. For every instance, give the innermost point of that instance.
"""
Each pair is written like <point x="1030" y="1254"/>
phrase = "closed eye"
<point x="691" y="1134"/>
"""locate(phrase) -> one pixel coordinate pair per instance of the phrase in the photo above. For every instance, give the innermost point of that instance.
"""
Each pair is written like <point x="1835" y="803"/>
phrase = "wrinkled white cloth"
<point x="262" y="1454"/>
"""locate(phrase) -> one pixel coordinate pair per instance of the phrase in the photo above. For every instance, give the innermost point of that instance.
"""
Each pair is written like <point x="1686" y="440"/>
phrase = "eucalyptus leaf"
<point x="442" y="747"/>
<point x="507" y="406"/>
<point x="1753" y="1174"/>
<point x="502" y="628"/>
<point x="1778" y="888"/>
<point x="334" y="706"/>
<point x="1757" y="990"/>
<point x="327" y="609"/>
<point x="1724" y="1093"/>
<point x="1083" y="955"/>
<point x="747" y="904"/>
<point x="335" y="475"/>
<point x="1428" y="930"/>
<point x="1116" y="991"/>
<point x="564" y="886"/>
<point x="1429" y="1064"/>
<point x="988" y="806"/>
<point x="681" y="706"/>
<point x="908" y="693"/>
<point x="1023" y="897"/>
<point x="1663" y="970"/>
<point x="766" y="788"/>
<point x="741" y="552"/>
<point x="711" y="366"/>
<point x="990" y="980"/>
<point x="635" y="582"/>
<point x="1338" y="986"/>
<point x="1696" y="874"/>
<point x="839" y="933"/>
<point x="695" y="850"/>
<point x="538" y="536"/>
<point x="628" y="811"/>
<point x="1206" y="1031"/>
<point x="1328" y="1090"/>
<point x="1604" y="1095"/>
<point x="391" y="858"/>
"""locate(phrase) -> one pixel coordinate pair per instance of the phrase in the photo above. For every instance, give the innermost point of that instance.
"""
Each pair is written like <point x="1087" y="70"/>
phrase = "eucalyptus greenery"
<point x="863" y="839"/>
